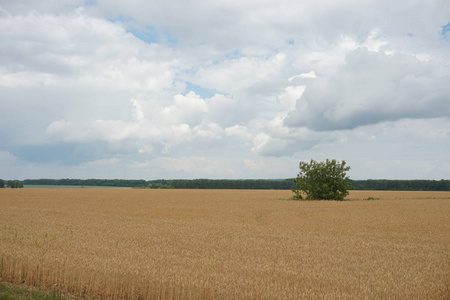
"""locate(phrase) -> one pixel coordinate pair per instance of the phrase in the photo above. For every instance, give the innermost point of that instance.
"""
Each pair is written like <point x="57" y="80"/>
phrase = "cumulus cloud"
<point x="242" y="74"/>
<point x="186" y="109"/>
<point x="311" y="74"/>
<point x="99" y="130"/>
<point x="153" y="128"/>
<point x="73" y="75"/>
<point x="373" y="87"/>
<point x="250" y="26"/>
<point x="238" y="131"/>
<point x="247" y="87"/>
<point x="77" y="50"/>
<point x="253" y="164"/>
<point x="6" y="157"/>
<point x="196" y="165"/>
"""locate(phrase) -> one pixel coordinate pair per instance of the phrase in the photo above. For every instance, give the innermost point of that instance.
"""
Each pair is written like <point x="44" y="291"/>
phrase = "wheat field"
<point x="226" y="244"/>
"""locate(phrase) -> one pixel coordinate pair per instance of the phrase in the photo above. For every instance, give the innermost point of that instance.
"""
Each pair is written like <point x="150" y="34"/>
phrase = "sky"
<point x="150" y="89"/>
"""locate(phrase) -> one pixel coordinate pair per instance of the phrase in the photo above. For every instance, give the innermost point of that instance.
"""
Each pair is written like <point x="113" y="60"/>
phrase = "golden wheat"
<point x="225" y="244"/>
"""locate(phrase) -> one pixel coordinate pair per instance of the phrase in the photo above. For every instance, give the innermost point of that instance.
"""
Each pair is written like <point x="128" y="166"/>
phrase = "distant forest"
<point x="261" y="184"/>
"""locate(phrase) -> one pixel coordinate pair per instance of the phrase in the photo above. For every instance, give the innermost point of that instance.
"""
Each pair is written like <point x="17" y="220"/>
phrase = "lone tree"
<point x="322" y="181"/>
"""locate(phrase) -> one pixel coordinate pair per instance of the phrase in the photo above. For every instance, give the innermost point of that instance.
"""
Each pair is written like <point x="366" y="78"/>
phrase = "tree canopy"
<point x="322" y="180"/>
<point x="278" y="184"/>
<point x="15" y="184"/>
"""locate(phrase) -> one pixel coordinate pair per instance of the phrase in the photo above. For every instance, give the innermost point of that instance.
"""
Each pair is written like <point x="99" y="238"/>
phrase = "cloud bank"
<point x="189" y="89"/>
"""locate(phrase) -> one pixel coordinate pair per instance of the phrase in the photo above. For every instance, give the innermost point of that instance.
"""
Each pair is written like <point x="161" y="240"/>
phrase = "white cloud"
<point x="187" y="109"/>
<point x="254" y="165"/>
<point x="101" y="162"/>
<point x="75" y="50"/>
<point x="246" y="74"/>
<point x="290" y="96"/>
<point x="372" y="87"/>
<point x="6" y="157"/>
<point x="239" y="132"/>
<point x="311" y="74"/>
<point x="138" y="113"/>
<point x="124" y="84"/>
<point x="209" y="131"/>
<point x="84" y="132"/>
<point x="151" y="127"/>
<point x="196" y="165"/>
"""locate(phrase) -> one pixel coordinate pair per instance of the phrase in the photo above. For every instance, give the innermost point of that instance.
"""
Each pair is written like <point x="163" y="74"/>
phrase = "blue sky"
<point x="445" y="29"/>
<point x="223" y="89"/>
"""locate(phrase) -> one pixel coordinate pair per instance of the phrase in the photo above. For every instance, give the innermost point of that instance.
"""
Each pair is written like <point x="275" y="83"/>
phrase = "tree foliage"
<point x="277" y="184"/>
<point x="249" y="184"/>
<point x="15" y="184"/>
<point x="88" y="182"/>
<point x="322" y="180"/>
<point x="282" y="184"/>
<point x="401" y="185"/>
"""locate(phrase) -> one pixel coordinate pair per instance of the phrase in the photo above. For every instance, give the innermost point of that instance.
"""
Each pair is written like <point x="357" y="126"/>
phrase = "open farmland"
<point x="226" y="244"/>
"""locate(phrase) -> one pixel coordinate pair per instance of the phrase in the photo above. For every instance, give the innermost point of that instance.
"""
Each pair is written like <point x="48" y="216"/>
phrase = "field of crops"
<point x="226" y="244"/>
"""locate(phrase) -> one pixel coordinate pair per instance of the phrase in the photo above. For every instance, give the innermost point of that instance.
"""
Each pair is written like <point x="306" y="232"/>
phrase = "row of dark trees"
<point x="283" y="184"/>
<point x="401" y="185"/>
<point x="11" y="184"/>
<point x="248" y="184"/>
<point x="88" y="182"/>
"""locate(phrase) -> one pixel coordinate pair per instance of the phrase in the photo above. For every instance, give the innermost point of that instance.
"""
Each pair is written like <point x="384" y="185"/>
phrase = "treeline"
<point x="287" y="184"/>
<point x="283" y="184"/>
<point x="401" y="185"/>
<point x="14" y="184"/>
<point x="88" y="182"/>
<point x="247" y="184"/>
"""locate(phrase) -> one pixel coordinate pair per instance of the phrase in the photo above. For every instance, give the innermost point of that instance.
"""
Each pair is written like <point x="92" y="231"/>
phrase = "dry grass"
<point x="223" y="244"/>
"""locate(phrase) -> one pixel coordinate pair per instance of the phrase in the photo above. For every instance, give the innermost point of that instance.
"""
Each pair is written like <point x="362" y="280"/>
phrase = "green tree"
<point x="15" y="184"/>
<point x="2" y="183"/>
<point x="322" y="181"/>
